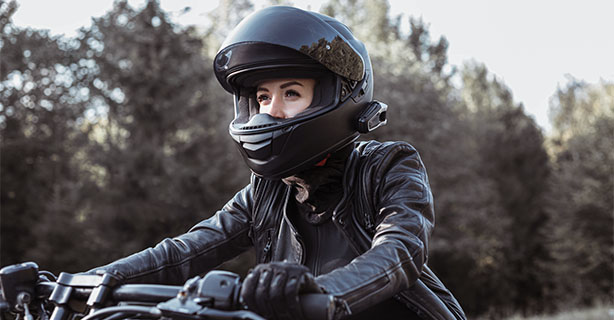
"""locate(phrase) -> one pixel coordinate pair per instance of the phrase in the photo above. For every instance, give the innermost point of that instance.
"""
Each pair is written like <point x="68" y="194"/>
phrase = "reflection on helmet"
<point x="287" y="42"/>
<point x="337" y="56"/>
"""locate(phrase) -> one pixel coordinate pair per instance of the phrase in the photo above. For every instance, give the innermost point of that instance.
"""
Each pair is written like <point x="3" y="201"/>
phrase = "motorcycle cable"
<point x="125" y="311"/>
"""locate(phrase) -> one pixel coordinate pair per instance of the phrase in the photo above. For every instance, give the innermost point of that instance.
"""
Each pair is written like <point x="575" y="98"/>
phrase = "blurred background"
<point x="114" y="136"/>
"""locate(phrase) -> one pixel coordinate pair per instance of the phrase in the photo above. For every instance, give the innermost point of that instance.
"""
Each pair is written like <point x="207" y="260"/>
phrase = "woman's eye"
<point x="261" y="98"/>
<point x="292" y="93"/>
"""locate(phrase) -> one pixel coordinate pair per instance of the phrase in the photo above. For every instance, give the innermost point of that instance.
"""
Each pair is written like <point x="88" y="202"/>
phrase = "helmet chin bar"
<point x="259" y="146"/>
<point x="263" y="169"/>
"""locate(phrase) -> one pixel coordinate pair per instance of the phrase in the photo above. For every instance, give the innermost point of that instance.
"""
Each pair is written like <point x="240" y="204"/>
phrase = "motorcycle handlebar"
<point x="148" y="293"/>
<point x="314" y="305"/>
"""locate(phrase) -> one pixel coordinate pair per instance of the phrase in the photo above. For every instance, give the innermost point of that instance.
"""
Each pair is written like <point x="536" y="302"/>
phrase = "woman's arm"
<point x="404" y="219"/>
<point x="203" y="247"/>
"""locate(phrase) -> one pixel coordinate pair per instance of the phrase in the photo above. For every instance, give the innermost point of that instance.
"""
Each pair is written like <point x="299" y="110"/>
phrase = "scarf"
<point x="318" y="189"/>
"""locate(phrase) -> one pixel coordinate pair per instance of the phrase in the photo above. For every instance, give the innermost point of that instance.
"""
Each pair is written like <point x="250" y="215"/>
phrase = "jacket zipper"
<point x="361" y="229"/>
<point x="368" y="220"/>
<point x="295" y="233"/>
<point x="266" y="252"/>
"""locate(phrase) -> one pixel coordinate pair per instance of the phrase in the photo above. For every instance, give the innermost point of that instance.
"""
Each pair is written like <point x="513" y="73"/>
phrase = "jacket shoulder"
<point x="376" y="149"/>
<point x="389" y="170"/>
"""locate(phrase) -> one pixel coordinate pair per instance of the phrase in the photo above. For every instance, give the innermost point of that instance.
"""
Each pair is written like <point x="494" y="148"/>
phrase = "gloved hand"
<point x="272" y="289"/>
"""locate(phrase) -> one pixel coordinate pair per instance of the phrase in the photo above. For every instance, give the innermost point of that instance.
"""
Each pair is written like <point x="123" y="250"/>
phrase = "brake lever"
<point x="217" y="290"/>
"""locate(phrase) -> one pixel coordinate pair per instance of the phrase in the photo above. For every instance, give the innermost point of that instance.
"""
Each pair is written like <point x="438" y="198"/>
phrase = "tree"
<point x="40" y="115"/>
<point x="161" y="153"/>
<point x="513" y="160"/>
<point x="583" y="191"/>
<point x="115" y="138"/>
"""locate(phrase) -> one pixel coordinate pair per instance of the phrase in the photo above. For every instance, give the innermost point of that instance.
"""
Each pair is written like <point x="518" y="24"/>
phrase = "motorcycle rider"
<point x="324" y="213"/>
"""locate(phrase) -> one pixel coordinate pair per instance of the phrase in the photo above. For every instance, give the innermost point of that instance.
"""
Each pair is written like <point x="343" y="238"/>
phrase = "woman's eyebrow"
<point x="282" y="86"/>
<point x="289" y="83"/>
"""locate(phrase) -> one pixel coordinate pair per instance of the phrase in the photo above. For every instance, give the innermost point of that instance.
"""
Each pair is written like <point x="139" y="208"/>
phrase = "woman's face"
<point x="285" y="98"/>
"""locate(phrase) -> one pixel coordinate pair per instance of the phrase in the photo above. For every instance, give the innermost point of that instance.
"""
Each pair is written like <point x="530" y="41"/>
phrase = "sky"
<point x="532" y="46"/>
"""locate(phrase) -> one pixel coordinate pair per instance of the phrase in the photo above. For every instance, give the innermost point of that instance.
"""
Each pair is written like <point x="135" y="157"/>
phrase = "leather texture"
<point x="272" y="290"/>
<point x="386" y="213"/>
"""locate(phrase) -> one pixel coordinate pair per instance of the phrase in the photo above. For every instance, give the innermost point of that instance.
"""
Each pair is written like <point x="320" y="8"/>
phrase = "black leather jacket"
<point x="386" y="214"/>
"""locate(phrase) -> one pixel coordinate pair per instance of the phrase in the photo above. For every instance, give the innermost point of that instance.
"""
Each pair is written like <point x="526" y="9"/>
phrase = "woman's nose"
<point x="277" y="108"/>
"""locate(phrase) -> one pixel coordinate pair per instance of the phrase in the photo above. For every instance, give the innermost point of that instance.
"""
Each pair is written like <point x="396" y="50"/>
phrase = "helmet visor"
<point x="248" y="117"/>
<point x="296" y="29"/>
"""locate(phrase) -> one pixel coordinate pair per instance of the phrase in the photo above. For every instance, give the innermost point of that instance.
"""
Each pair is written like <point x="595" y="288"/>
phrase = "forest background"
<point x="117" y="138"/>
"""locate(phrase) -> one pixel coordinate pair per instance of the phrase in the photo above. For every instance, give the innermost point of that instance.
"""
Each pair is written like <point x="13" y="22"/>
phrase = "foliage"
<point x="165" y="151"/>
<point x="153" y="155"/>
<point x="40" y="113"/>
<point x="513" y="162"/>
<point x="583" y="202"/>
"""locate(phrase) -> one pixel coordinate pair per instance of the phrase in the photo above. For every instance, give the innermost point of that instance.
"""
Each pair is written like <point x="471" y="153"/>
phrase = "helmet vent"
<point x="260" y="120"/>
<point x="257" y="126"/>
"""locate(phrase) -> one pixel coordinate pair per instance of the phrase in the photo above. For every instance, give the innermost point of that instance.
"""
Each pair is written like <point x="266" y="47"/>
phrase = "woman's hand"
<point x="272" y="289"/>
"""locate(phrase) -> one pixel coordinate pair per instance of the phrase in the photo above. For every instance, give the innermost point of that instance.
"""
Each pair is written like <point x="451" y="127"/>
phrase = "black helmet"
<point x="287" y="42"/>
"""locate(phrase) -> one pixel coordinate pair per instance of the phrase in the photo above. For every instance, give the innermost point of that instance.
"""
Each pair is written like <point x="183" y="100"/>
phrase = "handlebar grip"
<point x="145" y="292"/>
<point x="317" y="306"/>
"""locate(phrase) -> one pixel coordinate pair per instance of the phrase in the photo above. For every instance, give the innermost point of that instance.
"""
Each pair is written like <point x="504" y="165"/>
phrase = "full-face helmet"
<point x="287" y="42"/>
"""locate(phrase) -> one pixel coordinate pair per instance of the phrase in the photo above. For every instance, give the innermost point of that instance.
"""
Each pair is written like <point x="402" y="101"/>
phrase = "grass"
<point x="594" y="313"/>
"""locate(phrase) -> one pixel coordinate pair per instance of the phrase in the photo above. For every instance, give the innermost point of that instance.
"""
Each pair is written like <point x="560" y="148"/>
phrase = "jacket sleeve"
<point x="203" y="247"/>
<point x="398" y="189"/>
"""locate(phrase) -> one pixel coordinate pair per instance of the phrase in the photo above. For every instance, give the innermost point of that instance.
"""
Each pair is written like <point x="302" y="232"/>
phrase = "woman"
<point x="323" y="212"/>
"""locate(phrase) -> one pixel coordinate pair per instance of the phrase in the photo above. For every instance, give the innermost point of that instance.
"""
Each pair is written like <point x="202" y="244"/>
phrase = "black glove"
<point x="272" y="289"/>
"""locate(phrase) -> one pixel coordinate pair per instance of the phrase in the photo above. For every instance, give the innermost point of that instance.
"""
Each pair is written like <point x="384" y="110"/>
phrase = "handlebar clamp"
<point x="217" y="290"/>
